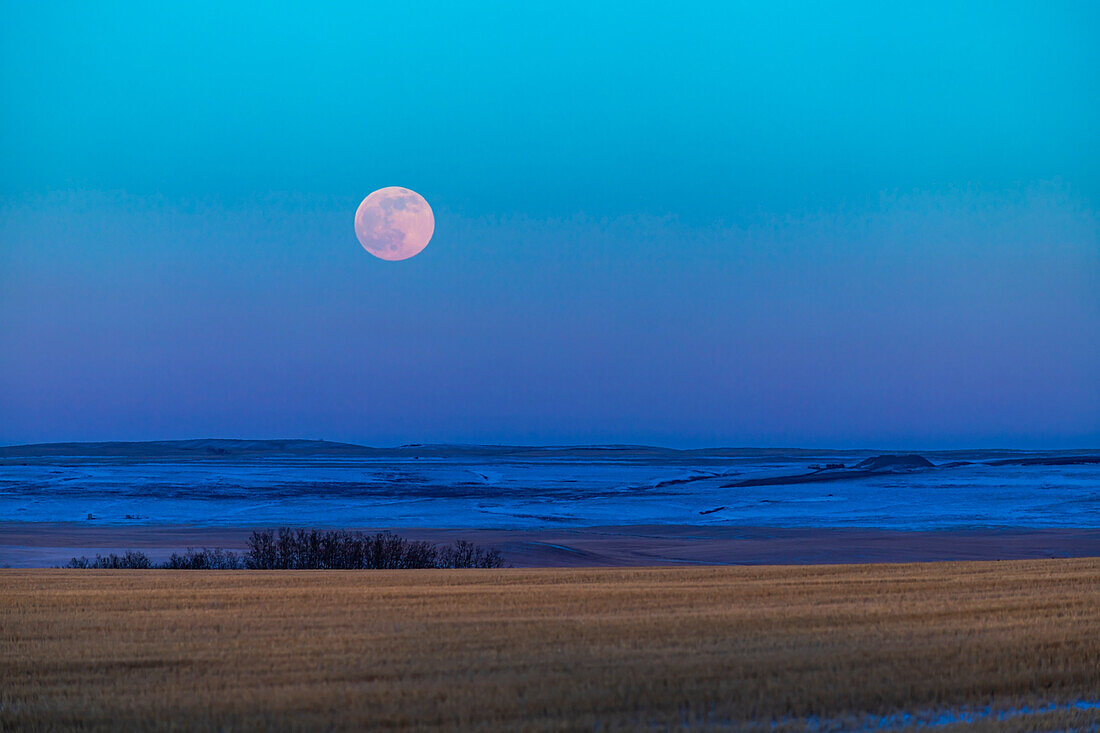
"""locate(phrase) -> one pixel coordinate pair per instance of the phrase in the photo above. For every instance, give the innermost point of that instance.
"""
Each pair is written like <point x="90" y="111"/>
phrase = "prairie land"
<point x="985" y="646"/>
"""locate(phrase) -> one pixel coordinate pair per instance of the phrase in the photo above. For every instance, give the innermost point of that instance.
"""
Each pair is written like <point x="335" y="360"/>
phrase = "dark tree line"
<point x="302" y="549"/>
<point x="205" y="559"/>
<point x="127" y="561"/>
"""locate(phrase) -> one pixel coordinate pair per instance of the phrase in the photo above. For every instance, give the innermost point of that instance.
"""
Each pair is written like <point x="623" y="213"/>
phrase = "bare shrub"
<point x="204" y="559"/>
<point x="463" y="554"/>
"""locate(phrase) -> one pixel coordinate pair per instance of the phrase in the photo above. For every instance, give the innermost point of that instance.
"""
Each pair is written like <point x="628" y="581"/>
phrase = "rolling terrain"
<point x="557" y="505"/>
<point x="251" y="484"/>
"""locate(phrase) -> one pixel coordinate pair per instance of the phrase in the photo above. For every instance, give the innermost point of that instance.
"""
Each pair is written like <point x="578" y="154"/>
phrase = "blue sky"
<point x="735" y="223"/>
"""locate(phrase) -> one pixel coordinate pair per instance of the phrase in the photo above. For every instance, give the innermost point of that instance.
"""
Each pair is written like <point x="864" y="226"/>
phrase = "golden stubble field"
<point x="719" y="647"/>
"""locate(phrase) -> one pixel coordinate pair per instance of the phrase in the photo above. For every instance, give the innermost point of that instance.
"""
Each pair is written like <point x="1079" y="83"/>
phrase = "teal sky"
<point x="729" y="223"/>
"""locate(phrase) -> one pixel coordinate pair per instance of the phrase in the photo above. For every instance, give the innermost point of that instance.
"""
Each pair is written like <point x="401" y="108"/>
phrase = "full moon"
<point x="394" y="223"/>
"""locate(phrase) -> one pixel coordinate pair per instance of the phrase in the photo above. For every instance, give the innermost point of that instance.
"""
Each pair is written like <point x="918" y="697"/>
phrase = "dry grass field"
<point x="822" y="647"/>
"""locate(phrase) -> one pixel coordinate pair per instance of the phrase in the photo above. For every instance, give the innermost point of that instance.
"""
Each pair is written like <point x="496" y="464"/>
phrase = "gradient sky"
<point x="860" y="224"/>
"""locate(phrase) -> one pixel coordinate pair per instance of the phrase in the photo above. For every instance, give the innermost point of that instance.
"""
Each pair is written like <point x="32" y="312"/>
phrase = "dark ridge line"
<point x="218" y="447"/>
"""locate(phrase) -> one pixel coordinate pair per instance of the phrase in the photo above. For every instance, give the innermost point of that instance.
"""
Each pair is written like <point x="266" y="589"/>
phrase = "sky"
<point x="723" y="224"/>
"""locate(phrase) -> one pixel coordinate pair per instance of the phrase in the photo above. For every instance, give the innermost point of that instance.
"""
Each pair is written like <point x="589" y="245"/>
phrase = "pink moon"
<point x="394" y="223"/>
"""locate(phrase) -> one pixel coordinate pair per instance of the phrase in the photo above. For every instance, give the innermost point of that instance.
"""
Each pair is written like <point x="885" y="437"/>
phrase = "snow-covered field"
<point x="478" y="491"/>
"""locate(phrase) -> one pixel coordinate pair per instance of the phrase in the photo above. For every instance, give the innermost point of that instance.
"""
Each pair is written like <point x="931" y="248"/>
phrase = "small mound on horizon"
<point x="891" y="462"/>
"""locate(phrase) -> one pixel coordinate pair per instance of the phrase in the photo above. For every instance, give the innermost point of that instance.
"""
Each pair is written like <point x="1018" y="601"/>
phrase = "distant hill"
<point x="213" y="447"/>
<point x="882" y="463"/>
<point x="198" y="447"/>
<point x="207" y="447"/>
<point x="873" y="466"/>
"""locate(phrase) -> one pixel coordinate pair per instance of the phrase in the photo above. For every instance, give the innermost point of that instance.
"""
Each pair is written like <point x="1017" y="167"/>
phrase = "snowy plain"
<point x="470" y="489"/>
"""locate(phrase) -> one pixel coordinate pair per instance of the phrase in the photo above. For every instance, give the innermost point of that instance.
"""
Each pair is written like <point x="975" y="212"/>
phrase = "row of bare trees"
<point x="300" y="549"/>
<point x="311" y="549"/>
<point x="130" y="560"/>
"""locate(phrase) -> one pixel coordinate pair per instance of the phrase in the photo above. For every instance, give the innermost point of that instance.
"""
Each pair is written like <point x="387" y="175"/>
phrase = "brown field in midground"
<point x="724" y="647"/>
